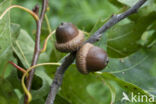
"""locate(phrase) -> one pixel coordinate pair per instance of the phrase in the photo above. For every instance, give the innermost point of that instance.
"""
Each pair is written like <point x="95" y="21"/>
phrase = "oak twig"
<point x="37" y="45"/>
<point x="94" y="38"/>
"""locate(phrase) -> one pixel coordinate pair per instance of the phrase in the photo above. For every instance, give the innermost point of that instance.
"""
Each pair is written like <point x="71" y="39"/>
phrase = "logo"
<point x="137" y="98"/>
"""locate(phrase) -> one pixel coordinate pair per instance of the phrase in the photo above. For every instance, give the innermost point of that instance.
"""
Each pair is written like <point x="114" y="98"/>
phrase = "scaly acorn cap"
<point x="68" y="37"/>
<point x="91" y="58"/>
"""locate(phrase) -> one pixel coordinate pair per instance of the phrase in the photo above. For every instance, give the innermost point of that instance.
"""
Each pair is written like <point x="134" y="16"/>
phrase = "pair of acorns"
<point x="89" y="58"/>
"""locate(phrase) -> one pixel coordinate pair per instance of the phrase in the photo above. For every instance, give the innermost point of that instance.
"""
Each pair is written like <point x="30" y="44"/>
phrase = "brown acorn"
<point x="68" y="37"/>
<point x="91" y="58"/>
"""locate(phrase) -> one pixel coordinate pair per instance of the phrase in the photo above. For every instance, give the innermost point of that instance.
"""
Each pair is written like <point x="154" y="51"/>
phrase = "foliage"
<point x="130" y="44"/>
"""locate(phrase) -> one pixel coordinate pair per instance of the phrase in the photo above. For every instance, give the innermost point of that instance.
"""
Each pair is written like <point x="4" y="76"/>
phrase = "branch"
<point x="59" y="77"/>
<point x="37" y="45"/>
<point x="20" y="7"/>
<point x="94" y="38"/>
<point x="115" y="19"/>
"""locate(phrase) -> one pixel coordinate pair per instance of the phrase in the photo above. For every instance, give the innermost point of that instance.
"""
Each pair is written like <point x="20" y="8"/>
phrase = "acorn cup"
<point x="68" y="37"/>
<point x="91" y="58"/>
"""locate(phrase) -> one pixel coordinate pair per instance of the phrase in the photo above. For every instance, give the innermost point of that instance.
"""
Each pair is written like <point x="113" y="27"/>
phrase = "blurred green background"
<point x="83" y="13"/>
<point x="130" y="44"/>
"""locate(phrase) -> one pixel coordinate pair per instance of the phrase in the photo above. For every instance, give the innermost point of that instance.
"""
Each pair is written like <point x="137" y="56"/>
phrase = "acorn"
<point x="68" y="37"/>
<point x="91" y="58"/>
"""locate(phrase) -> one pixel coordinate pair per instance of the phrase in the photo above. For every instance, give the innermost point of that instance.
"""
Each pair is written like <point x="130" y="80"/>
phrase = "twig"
<point x="45" y="42"/>
<point x="94" y="38"/>
<point x="59" y="77"/>
<point x="17" y="67"/>
<point x="115" y="19"/>
<point x="26" y="73"/>
<point x="37" y="46"/>
<point x="48" y="24"/>
<point x="36" y="9"/>
<point x="23" y="8"/>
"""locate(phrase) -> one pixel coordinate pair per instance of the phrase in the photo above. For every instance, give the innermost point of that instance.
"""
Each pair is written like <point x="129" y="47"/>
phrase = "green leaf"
<point x="126" y="86"/>
<point x="98" y="91"/>
<point x="13" y="76"/>
<point x="78" y="88"/>
<point x="5" y="41"/>
<point x="138" y="69"/>
<point x="61" y="100"/>
<point x="7" y="94"/>
<point x="24" y="49"/>
<point x="144" y="11"/>
<point x="42" y="83"/>
<point x="4" y="30"/>
<point x="15" y="30"/>
<point x="112" y="90"/>
<point x="14" y="79"/>
<point x="98" y="24"/>
<point x="55" y="56"/>
<point x="116" y="3"/>
<point x="38" y="101"/>
<point x="129" y="87"/>
<point x="122" y="40"/>
<point x="129" y="2"/>
<point x="148" y="38"/>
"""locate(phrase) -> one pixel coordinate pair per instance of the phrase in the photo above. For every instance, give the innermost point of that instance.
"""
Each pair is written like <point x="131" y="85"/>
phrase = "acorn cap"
<point x="91" y="58"/>
<point x="68" y="37"/>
